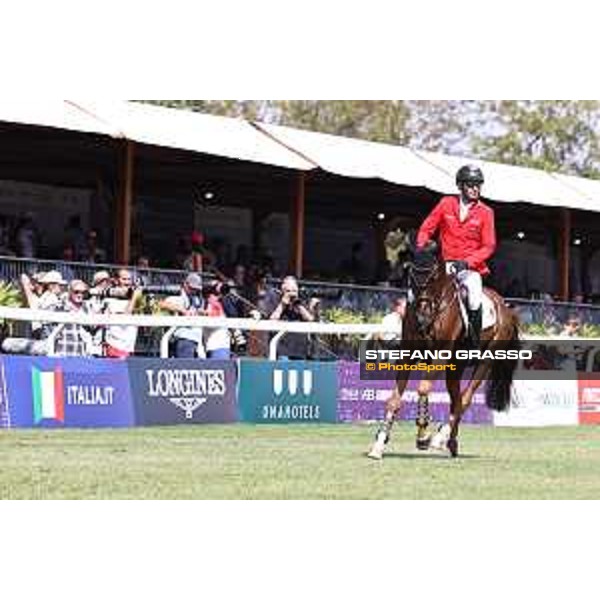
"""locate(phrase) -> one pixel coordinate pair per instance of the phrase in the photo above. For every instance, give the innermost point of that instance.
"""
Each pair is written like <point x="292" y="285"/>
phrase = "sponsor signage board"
<point x="66" y="392"/>
<point x="364" y="400"/>
<point x="179" y="391"/>
<point x="589" y="400"/>
<point x="538" y="403"/>
<point x="287" y="392"/>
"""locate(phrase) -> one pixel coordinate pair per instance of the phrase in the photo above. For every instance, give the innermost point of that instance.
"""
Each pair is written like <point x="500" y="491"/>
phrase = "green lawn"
<point x="300" y="462"/>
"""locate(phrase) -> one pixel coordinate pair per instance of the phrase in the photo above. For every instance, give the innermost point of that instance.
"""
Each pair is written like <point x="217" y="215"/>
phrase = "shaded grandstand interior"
<point x="169" y="185"/>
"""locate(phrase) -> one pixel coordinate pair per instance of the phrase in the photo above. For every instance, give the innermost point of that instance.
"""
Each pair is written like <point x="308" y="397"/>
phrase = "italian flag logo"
<point x="48" y="395"/>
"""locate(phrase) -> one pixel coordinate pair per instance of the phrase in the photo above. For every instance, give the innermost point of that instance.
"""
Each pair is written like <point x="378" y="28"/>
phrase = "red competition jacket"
<point x="473" y="241"/>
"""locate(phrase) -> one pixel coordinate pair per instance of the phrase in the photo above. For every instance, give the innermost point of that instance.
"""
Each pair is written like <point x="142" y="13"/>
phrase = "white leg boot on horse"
<point x="391" y="410"/>
<point x="439" y="442"/>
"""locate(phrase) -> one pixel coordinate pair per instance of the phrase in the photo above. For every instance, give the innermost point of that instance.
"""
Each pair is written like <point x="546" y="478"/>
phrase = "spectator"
<point x="33" y="288"/>
<point x="95" y="305"/>
<point x="27" y="237"/>
<point x="94" y="253"/>
<point x="188" y="303"/>
<point x="568" y="355"/>
<point x="50" y="300"/>
<point x="289" y="307"/>
<point x="142" y="276"/>
<point x="73" y="339"/>
<point x="394" y="319"/>
<point x="75" y="238"/>
<point x="571" y="327"/>
<point x="68" y="255"/>
<point x="582" y="312"/>
<point x="119" y="340"/>
<point x="217" y="341"/>
<point x="195" y="259"/>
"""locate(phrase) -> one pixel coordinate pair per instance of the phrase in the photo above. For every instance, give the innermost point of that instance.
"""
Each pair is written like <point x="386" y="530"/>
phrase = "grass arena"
<point x="241" y="461"/>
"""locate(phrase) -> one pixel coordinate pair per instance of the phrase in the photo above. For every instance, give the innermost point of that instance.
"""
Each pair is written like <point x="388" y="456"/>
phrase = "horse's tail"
<point x="502" y="373"/>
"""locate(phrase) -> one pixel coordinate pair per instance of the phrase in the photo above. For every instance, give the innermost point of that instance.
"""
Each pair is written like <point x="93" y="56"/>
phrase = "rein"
<point x="448" y="295"/>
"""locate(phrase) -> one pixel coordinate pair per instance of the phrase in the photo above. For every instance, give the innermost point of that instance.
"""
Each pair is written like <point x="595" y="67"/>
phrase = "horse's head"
<point x="429" y="283"/>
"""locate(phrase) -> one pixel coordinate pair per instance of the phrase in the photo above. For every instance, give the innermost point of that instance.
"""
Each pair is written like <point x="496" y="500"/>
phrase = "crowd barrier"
<point x="74" y="392"/>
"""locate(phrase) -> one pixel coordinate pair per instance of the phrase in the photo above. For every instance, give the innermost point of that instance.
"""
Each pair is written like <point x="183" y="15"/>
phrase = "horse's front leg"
<point x="423" y="419"/>
<point x="392" y="408"/>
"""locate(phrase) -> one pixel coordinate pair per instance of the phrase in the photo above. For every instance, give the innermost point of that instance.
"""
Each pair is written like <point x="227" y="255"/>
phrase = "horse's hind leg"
<point x="441" y="441"/>
<point x="392" y="408"/>
<point x="462" y="403"/>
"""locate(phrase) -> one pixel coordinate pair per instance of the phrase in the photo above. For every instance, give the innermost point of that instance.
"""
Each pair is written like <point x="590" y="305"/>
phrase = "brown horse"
<point x="434" y="317"/>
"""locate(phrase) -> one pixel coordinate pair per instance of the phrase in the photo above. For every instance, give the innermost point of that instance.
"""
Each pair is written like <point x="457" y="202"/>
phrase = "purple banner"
<point x="359" y="400"/>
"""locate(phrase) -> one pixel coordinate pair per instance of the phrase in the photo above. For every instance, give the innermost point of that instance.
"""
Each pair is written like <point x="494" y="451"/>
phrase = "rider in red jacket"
<point x="467" y="237"/>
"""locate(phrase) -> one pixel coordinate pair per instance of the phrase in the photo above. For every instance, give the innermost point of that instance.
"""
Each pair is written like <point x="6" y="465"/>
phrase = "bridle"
<point x="420" y="279"/>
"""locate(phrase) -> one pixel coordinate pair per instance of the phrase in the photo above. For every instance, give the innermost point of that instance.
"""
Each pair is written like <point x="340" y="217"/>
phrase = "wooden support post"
<point x="124" y="204"/>
<point x="297" y="227"/>
<point x="564" y="253"/>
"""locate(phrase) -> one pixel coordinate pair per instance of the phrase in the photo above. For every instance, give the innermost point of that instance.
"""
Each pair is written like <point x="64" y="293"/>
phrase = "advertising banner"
<point x="66" y="392"/>
<point x="4" y="414"/>
<point x="177" y="391"/>
<point x="589" y="400"/>
<point x="537" y="403"/>
<point x="363" y="400"/>
<point x="287" y="392"/>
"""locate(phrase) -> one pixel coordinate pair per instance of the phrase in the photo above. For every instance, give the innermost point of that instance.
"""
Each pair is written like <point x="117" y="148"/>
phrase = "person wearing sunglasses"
<point x="467" y="237"/>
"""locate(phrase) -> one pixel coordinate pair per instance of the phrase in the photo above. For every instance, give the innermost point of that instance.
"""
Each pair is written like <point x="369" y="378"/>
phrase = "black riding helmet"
<point x="469" y="174"/>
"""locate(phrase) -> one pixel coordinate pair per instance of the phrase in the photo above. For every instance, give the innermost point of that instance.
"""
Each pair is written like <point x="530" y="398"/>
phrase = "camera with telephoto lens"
<point x="119" y="293"/>
<point x="161" y="290"/>
<point x="218" y="288"/>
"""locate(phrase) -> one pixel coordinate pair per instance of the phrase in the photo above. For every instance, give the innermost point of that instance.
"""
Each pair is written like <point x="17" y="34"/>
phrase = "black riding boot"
<point x="475" y="318"/>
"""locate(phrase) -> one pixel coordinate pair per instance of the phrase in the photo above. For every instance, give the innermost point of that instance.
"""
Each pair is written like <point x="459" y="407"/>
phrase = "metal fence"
<point x="367" y="303"/>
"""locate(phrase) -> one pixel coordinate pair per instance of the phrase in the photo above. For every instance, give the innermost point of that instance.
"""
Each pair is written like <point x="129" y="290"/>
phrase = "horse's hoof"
<point x="375" y="454"/>
<point x="452" y="446"/>
<point x="423" y="443"/>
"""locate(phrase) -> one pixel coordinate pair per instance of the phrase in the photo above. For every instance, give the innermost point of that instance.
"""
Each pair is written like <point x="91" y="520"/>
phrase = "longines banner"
<point x="175" y="391"/>
<point x="66" y="392"/>
<point x="287" y="392"/>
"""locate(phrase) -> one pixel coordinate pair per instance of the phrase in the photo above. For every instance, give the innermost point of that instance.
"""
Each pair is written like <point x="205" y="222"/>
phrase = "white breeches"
<point x="471" y="281"/>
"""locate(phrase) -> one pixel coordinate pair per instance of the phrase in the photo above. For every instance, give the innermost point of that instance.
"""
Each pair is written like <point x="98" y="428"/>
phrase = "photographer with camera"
<point x="188" y="303"/>
<point x="119" y="299"/>
<point x="291" y="308"/>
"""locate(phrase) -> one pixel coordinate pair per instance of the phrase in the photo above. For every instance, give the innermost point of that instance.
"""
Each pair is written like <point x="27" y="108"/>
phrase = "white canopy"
<point x="298" y="149"/>
<point x="61" y="114"/>
<point x="148" y="124"/>
<point x="352" y="157"/>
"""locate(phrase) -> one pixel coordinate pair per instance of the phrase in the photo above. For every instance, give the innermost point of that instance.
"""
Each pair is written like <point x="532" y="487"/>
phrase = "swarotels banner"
<point x="287" y="392"/>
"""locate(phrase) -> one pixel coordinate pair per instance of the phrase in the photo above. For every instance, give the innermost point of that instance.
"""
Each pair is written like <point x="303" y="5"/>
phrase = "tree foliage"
<point x="555" y="135"/>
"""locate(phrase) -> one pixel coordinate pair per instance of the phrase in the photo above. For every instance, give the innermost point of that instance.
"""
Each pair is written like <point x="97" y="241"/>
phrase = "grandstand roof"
<point x="158" y="126"/>
<point x="436" y="171"/>
<point x="298" y="149"/>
